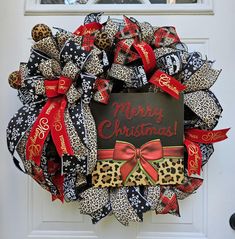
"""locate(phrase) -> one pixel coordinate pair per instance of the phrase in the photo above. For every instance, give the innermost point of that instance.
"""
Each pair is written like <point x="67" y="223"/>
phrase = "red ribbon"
<point x="88" y="29"/>
<point x="102" y="87"/>
<point x="58" y="180"/>
<point x="194" y="157"/>
<point x="206" y="136"/>
<point x="130" y="30"/>
<point x="167" y="83"/>
<point x="163" y="35"/>
<point x="150" y="151"/>
<point x="50" y="120"/>
<point x="145" y="51"/>
<point x="122" y="47"/>
<point x="193" y="138"/>
<point x="147" y="55"/>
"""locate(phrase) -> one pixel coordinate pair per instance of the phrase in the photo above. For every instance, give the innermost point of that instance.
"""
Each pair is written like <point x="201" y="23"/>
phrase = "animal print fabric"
<point x="48" y="46"/>
<point x="91" y="137"/>
<point x="203" y="79"/>
<point x="107" y="173"/>
<point x="61" y="37"/>
<point x="102" y="41"/>
<point x="152" y="195"/>
<point x="50" y="69"/>
<point x="93" y="199"/>
<point x="93" y="65"/>
<point x="40" y="31"/>
<point x="121" y="207"/>
<point x="70" y="70"/>
<point x="147" y="32"/>
<point x="205" y="105"/>
<point x="121" y="72"/>
<point x="111" y="28"/>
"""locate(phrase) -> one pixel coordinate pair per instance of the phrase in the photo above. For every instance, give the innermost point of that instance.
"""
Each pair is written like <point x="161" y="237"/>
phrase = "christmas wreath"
<point x="116" y="115"/>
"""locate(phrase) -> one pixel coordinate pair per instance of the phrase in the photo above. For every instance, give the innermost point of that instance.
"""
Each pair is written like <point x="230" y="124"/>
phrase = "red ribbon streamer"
<point x="50" y="120"/>
<point x="167" y="83"/>
<point x="194" y="157"/>
<point x="59" y="181"/>
<point x="206" y="136"/>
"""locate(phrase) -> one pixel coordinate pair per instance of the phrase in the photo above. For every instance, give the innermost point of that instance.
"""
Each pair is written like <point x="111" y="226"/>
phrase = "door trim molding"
<point x="33" y="8"/>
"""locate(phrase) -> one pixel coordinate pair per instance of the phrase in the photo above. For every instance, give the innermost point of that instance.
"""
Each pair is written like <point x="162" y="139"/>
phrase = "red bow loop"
<point x="150" y="151"/>
<point x="58" y="87"/>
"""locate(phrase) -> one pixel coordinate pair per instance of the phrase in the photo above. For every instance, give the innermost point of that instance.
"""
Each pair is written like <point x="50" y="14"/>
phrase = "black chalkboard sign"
<point x="138" y="118"/>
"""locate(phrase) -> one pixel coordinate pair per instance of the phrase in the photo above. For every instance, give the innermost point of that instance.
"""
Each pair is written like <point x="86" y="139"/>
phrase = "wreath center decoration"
<point x="116" y="115"/>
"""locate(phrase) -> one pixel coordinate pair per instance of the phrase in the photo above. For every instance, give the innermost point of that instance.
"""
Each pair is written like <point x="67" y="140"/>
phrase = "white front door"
<point x="26" y="211"/>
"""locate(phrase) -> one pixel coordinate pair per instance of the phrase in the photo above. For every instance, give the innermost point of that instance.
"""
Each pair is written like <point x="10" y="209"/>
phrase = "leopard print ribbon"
<point x="47" y="63"/>
<point x="133" y="76"/>
<point x="205" y="105"/>
<point x="129" y="203"/>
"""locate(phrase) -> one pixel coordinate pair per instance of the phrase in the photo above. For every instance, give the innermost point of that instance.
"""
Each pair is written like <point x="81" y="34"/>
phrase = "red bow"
<point x="50" y="119"/>
<point x="150" y="151"/>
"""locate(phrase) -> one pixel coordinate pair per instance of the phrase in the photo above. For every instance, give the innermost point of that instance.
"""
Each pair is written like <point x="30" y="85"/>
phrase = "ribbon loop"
<point x="206" y="136"/>
<point x="57" y="87"/>
<point x="167" y="83"/>
<point x="64" y="85"/>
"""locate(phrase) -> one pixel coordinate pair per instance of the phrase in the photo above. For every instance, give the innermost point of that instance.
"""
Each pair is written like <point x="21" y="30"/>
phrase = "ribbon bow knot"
<point x="51" y="120"/>
<point x="138" y="154"/>
<point x="58" y="87"/>
<point x="133" y="156"/>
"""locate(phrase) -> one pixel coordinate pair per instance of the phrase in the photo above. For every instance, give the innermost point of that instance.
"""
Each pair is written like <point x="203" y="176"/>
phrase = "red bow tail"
<point x="194" y="157"/>
<point x="206" y="136"/>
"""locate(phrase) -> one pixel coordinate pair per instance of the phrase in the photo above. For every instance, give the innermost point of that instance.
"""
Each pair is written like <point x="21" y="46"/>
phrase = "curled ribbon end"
<point x="60" y="197"/>
<point x="226" y="130"/>
<point x="155" y="178"/>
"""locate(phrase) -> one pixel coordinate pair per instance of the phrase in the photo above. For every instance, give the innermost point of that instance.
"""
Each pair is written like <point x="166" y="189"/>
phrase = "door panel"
<point x="26" y="210"/>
